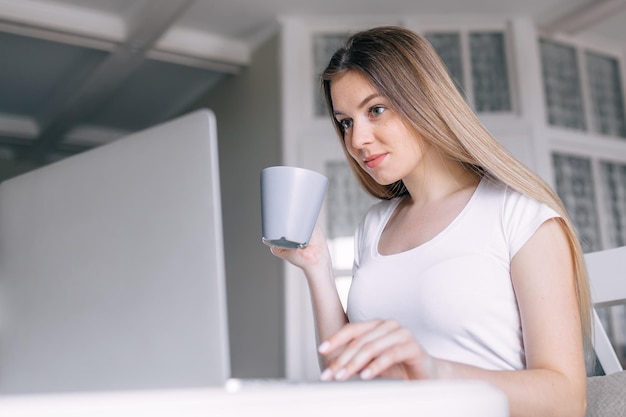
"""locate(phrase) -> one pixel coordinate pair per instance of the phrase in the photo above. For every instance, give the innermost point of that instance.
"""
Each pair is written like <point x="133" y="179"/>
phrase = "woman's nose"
<point x="361" y="135"/>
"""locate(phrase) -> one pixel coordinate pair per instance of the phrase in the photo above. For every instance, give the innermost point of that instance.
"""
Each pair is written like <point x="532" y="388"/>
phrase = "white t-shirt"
<point x="454" y="292"/>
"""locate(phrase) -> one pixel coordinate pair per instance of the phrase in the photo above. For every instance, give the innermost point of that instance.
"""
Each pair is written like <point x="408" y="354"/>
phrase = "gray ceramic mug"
<point x="291" y="200"/>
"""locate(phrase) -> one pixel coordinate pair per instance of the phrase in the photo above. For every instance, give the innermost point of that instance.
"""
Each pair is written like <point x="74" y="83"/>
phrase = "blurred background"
<point x="545" y="76"/>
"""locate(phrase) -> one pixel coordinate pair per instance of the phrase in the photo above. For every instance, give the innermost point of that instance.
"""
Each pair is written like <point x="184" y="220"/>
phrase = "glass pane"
<point x="347" y="203"/>
<point x="489" y="72"/>
<point x="448" y="46"/>
<point x="324" y="46"/>
<point x="606" y="95"/>
<point x="574" y="184"/>
<point x="614" y="197"/>
<point x="562" y="85"/>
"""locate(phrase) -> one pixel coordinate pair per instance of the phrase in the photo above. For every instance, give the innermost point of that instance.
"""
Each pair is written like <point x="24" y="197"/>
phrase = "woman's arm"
<point x="554" y="383"/>
<point x="315" y="262"/>
<point x="543" y="279"/>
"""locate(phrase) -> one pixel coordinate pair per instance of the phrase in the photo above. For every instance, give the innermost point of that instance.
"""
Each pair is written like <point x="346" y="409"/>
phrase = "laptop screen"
<point x="112" y="267"/>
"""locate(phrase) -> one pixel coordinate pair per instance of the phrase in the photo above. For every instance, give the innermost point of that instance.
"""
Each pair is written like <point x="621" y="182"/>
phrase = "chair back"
<point x="607" y="279"/>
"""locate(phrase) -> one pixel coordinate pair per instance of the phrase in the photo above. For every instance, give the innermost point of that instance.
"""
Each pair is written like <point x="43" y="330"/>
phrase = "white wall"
<point x="248" y="112"/>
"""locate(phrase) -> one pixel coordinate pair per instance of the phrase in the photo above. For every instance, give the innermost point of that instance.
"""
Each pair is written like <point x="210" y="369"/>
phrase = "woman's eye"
<point x="377" y="110"/>
<point x="345" y="124"/>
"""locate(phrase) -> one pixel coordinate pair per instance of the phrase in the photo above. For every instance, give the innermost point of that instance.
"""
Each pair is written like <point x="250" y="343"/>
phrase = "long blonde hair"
<point x="406" y="69"/>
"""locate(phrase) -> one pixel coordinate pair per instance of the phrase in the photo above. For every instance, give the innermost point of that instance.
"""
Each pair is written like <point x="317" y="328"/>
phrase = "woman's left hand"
<point x="377" y="348"/>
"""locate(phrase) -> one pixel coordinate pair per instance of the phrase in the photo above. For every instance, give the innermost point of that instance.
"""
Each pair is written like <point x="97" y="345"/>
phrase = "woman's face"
<point x="374" y="134"/>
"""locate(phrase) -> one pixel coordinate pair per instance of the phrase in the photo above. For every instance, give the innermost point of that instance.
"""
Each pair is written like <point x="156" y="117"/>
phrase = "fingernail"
<point x="340" y="374"/>
<point x="327" y="375"/>
<point x="323" y="347"/>
<point x="366" y="374"/>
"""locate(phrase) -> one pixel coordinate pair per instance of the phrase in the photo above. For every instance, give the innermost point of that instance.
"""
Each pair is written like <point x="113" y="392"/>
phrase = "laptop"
<point x="112" y="267"/>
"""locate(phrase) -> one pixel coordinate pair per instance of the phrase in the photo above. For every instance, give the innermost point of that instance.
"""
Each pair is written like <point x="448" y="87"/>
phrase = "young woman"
<point x="469" y="266"/>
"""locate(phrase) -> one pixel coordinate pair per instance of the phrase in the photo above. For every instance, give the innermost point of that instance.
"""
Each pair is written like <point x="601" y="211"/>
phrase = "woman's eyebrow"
<point x="368" y="99"/>
<point x="361" y="104"/>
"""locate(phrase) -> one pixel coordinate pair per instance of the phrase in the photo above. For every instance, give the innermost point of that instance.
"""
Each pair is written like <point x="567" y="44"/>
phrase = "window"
<point x="597" y="106"/>
<point x="606" y="94"/>
<point x="614" y="195"/>
<point x="324" y="46"/>
<point x="347" y="204"/>
<point x="588" y="97"/>
<point x="448" y="46"/>
<point x="562" y="86"/>
<point x="489" y="72"/>
<point x="574" y="184"/>
<point x="477" y="62"/>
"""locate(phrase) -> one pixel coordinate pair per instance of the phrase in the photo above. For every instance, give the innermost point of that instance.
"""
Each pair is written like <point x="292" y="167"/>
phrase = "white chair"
<point x="607" y="279"/>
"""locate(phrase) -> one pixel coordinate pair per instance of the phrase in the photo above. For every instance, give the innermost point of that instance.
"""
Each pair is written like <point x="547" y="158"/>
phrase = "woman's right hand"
<point x="315" y="254"/>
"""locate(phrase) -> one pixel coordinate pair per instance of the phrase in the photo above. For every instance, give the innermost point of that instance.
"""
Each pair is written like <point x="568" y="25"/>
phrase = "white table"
<point x="274" y="398"/>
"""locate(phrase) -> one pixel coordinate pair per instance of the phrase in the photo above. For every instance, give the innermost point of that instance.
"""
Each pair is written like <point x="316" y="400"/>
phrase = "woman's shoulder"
<point x="509" y="202"/>
<point x="520" y="214"/>
<point x="497" y="189"/>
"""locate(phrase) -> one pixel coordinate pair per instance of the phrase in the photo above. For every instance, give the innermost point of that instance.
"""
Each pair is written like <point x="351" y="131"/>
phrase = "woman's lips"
<point x="374" y="160"/>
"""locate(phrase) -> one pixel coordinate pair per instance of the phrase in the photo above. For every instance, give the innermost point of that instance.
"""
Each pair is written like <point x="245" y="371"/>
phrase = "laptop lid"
<point x="112" y="268"/>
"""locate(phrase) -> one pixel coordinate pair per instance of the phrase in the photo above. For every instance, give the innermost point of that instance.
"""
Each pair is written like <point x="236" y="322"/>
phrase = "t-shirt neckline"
<point x="438" y="236"/>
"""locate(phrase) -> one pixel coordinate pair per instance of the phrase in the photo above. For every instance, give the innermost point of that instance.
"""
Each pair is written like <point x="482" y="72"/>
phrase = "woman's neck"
<point x="439" y="178"/>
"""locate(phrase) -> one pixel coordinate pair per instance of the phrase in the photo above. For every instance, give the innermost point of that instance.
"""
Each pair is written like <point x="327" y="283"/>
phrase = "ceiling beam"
<point x="203" y="45"/>
<point x="18" y="126"/>
<point x="101" y="30"/>
<point x="64" y="112"/>
<point x="585" y="17"/>
<point x="64" y="18"/>
<point x="55" y="36"/>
